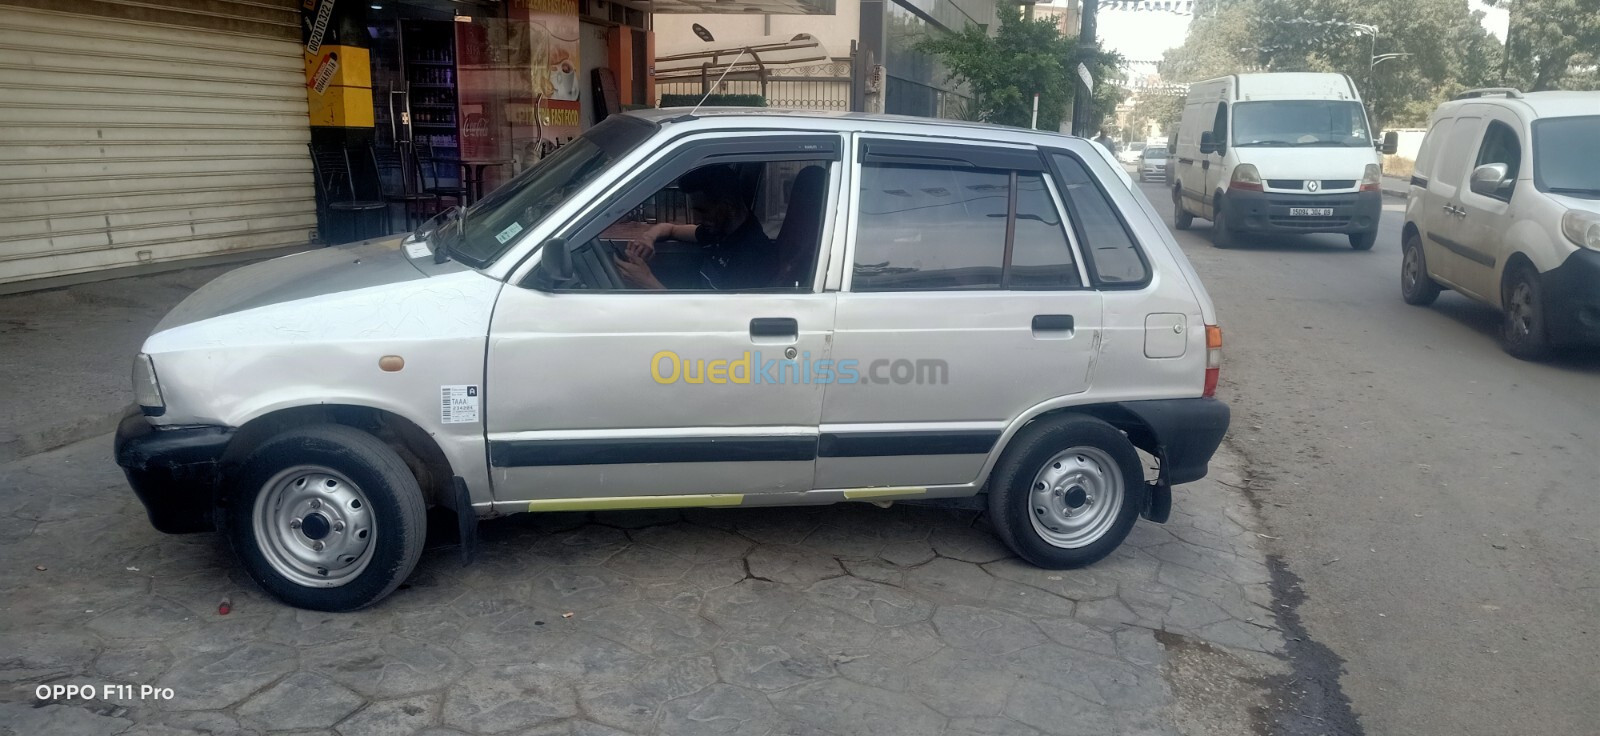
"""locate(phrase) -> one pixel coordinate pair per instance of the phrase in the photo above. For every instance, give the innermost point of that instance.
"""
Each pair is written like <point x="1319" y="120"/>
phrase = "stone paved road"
<point x="850" y="619"/>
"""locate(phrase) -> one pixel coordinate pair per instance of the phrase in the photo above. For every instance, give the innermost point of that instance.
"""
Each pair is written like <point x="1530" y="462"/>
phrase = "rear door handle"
<point x="1052" y="325"/>
<point x="785" y="329"/>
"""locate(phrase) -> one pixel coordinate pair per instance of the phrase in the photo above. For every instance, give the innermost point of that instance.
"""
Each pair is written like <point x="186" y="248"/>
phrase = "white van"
<point x="1278" y="153"/>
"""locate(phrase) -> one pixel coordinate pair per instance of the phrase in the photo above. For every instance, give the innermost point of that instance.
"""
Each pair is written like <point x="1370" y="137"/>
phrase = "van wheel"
<point x="1222" y="235"/>
<point x="1181" y="219"/>
<point x="1067" y="492"/>
<point x="1522" y="302"/>
<point x="327" y="518"/>
<point x="1416" y="286"/>
<point x="1364" y="240"/>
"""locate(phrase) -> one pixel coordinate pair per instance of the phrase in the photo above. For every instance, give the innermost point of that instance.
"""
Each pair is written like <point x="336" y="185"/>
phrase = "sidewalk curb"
<point x="49" y="438"/>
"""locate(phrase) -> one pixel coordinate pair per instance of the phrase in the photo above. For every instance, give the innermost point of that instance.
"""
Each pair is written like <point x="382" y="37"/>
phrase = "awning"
<point x="775" y="7"/>
<point x="746" y="55"/>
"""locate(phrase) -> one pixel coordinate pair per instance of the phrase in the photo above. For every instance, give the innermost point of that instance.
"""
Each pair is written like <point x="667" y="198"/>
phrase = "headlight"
<point x="1245" y="177"/>
<point x="1582" y="228"/>
<point x="146" y="389"/>
<point x="1372" y="178"/>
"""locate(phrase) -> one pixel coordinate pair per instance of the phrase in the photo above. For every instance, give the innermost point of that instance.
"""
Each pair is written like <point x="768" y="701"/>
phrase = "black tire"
<point x="1181" y="219"/>
<point x="1416" y="286"/>
<point x="1364" y="240"/>
<point x="1222" y="235"/>
<point x="1141" y="177"/>
<point x="1011" y="507"/>
<point x="1522" y="329"/>
<point x="395" y="511"/>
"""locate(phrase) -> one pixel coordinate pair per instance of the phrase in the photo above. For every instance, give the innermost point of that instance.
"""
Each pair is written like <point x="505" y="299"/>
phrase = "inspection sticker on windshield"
<point x="458" y="404"/>
<point x="416" y="249"/>
<point x="508" y="233"/>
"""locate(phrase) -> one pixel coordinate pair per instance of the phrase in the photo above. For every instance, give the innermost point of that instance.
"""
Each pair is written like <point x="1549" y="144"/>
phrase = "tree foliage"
<point x="1023" y="58"/>
<point x="1448" y="48"/>
<point x="1553" y="44"/>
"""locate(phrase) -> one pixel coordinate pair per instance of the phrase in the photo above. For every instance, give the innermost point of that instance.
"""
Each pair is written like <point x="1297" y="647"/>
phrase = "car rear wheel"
<point x="327" y="518"/>
<point x="1416" y="286"/>
<point x="1522" y="302"/>
<point x="1067" y="492"/>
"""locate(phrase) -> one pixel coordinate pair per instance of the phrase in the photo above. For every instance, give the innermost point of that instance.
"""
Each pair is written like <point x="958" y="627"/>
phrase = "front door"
<point x="1214" y="169"/>
<point x="1485" y="220"/>
<point x="962" y="306"/>
<point x="607" y="387"/>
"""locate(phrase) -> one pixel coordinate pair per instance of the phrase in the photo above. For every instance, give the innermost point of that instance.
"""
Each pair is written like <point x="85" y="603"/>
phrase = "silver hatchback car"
<point x="712" y="308"/>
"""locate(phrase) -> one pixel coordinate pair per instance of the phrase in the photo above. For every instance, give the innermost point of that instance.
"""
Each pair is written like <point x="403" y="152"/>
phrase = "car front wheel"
<point x="327" y="518"/>
<point x="1181" y="219"/>
<point x="1523" y="327"/>
<point x="1067" y="492"/>
<point x="1364" y="240"/>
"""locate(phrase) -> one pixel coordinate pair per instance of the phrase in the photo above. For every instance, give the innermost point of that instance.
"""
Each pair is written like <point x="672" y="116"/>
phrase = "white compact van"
<point x="1278" y="153"/>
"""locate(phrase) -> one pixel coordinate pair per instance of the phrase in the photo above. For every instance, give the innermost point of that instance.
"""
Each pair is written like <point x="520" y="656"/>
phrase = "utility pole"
<point x="1083" y="114"/>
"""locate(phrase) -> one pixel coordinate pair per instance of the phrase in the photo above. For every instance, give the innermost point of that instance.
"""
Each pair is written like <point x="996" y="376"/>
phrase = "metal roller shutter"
<point x="145" y="131"/>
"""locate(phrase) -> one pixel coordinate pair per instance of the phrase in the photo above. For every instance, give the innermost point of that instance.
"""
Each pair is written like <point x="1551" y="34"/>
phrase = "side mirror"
<point x="1490" y="180"/>
<point x="556" y="260"/>
<point x="1391" y="143"/>
<point x="1208" y="142"/>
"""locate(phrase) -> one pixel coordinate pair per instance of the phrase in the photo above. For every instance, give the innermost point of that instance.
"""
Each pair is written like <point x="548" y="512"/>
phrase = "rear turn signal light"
<point x="1213" y="359"/>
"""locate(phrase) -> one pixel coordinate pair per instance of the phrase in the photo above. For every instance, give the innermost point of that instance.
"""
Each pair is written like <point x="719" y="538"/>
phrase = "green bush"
<point x="714" y="101"/>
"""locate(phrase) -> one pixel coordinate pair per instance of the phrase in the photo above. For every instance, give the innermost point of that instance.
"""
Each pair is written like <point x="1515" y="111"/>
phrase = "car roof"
<point x="766" y="117"/>
<point x="1535" y="105"/>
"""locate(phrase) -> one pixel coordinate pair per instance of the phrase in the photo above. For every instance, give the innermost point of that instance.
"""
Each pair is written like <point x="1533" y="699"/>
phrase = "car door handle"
<point x="1052" y="325"/>
<point x="774" y="327"/>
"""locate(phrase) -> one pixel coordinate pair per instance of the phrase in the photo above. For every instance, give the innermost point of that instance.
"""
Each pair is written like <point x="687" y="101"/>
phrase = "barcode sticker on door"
<point x="458" y="404"/>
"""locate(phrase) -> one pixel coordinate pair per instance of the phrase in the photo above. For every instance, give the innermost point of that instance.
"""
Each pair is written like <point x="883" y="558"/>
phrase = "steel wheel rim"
<point x="314" y="526"/>
<point x="1412" y="268"/>
<point x="1521" y="310"/>
<point x="1076" y="497"/>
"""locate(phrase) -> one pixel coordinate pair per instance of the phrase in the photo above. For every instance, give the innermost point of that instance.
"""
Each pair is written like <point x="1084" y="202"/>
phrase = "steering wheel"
<point x="594" y="264"/>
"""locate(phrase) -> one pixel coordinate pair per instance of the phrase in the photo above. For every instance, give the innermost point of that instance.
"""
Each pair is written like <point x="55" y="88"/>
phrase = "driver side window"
<point x="737" y="224"/>
<point x="1501" y="146"/>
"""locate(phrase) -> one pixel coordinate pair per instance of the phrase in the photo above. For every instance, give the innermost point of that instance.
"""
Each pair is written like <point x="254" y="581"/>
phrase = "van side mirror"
<point x="556" y="260"/>
<point x="1391" y="143"/>
<point x="1208" y="142"/>
<point x="1490" y="180"/>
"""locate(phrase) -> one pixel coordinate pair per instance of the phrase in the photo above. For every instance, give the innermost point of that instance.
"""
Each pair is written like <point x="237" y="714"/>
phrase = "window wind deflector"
<point x="920" y="153"/>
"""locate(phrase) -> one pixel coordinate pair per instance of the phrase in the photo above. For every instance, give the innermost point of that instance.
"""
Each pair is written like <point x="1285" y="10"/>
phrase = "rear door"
<point x="1485" y="220"/>
<point x="963" y="305"/>
<point x="1444" y="229"/>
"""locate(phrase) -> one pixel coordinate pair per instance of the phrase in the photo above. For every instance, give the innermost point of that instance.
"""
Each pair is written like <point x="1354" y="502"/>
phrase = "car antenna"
<point x="713" y="90"/>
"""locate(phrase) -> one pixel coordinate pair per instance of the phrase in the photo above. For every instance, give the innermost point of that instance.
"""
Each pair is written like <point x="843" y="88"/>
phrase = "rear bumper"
<point x="1268" y="212"/>
<point x="1572" y="299"/>
<point x="174" y="472"/>
<point x="1187" y="432"/>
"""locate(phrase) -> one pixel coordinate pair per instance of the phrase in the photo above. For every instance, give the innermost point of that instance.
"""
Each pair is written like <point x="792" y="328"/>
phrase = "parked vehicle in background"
<point x="818" y="325"/>
<point x="1129" y="154"/>
<point x="1153" y="163"/>
<point x="1278" y="153"/>
<point x="1505" y="209"/>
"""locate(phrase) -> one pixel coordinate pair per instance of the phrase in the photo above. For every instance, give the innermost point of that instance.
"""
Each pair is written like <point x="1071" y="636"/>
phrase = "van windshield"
<point x="1566" y="156"/>
<point x="492" y="224"/>
<point x="1290" y="123"/>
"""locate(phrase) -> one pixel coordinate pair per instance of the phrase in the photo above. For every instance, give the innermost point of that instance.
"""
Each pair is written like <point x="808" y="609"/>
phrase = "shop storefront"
<point x="424" y="104"/>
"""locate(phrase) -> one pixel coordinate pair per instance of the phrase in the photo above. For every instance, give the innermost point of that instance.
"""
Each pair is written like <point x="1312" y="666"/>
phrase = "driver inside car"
<point x="738" y="253"/>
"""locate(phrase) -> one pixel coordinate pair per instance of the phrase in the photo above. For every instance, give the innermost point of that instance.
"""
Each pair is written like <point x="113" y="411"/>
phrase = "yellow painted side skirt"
<point x="614" y="503"/>
<point x="884" y="492"/>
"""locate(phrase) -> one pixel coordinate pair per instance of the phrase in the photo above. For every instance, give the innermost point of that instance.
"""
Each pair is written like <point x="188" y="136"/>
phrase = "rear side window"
<point x="1112" y="256"/>
<point x="1041" y="257"/>
<point x="930" y="227"/>
<point x="1430" y="145"/>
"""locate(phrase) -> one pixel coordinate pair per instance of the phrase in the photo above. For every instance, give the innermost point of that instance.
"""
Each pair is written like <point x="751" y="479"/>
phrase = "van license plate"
<point x="1311" y="212"/>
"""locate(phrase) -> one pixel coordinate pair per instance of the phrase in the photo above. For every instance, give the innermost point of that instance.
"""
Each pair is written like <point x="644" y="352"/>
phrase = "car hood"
<point x="1308" y="162"/>
<point x="314" y="273"/>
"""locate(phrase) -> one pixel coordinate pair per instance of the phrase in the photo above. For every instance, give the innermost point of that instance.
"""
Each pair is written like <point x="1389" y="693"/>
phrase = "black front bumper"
<point x="175" y="472"/>
<point x="1572" y="299"/>
<point x="1268" y="212"/>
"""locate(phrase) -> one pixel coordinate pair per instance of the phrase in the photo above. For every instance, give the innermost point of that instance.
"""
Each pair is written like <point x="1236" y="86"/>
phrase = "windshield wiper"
<point x="1264" y="143"/>
<point x="1590" y="191"/>
<point x="441" y="249"/>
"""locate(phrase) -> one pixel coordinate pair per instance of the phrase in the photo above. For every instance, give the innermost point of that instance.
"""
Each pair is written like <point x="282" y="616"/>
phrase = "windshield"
<point x="1566" y="155"/>
<point x="1136" y="146"/>
<point x="1155" y="153"/>
<point x="494" y="222"/>
<point x="1287" y="123"/>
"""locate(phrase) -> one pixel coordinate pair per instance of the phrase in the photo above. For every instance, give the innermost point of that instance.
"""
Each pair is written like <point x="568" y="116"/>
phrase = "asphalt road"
<point x="1437" y="496"/>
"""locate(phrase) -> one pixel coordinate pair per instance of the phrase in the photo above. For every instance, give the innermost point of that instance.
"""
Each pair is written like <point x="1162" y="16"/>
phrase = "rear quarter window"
<point x="1114" y="259"/>
<point x="1430" y="146"/>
